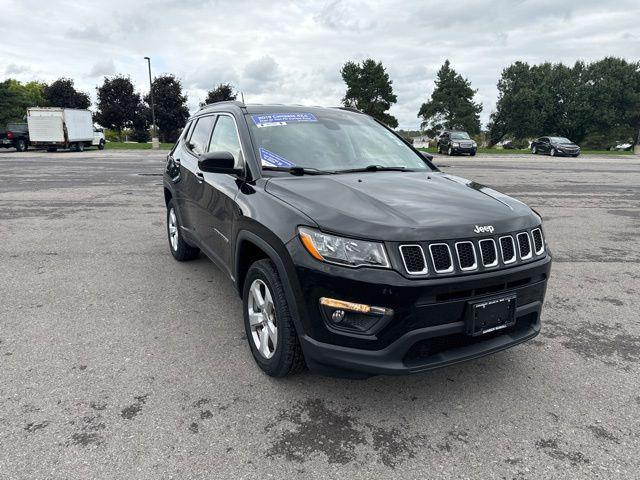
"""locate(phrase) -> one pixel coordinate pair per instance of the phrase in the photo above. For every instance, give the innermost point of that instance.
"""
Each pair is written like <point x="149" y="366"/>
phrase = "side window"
<point x="225" y="138"/>
<point x="200" y="135"/>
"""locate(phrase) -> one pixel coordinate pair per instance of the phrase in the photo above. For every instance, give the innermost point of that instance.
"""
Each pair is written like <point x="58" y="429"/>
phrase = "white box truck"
<point x="54" y="128"/>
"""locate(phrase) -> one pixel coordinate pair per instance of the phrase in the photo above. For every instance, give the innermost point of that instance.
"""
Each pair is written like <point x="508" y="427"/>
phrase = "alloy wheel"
<point x="173" y="230"/>
<point x="262" y="319"/>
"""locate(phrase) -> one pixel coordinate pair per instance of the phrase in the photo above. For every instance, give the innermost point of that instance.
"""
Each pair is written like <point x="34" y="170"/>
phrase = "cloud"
<point x="102" y="69"/>
<point x="292" y="51"/>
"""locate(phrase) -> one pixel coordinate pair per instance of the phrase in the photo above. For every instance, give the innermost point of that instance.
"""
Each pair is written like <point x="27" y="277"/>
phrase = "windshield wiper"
<point x="295" y="170"/>
<point x="376" y="168"/>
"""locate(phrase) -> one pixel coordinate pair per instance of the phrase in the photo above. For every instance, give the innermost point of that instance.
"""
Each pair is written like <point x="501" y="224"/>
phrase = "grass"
<point x="502" y="151"/>
<point x="135" y="146"/>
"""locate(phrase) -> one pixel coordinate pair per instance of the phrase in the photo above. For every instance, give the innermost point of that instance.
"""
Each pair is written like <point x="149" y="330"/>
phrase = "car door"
<point x="217" y="205"/>
<point x="543" y="147"/>
<point x="191" y="178"/>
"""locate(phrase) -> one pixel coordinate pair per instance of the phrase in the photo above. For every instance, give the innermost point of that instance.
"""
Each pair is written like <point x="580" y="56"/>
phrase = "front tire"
<point x="268" y="323"/>
<point x="552" y="152"/>
<point x="101" y="145"/>
<point x="180" y="249"/>
<point x="450" y="152"/>
<point x="21" y="145"/>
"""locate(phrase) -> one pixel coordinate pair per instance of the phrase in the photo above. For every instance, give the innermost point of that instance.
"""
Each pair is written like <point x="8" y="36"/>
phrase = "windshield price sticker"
<point x="279" y="119"/>
<point x="271" y="159"/>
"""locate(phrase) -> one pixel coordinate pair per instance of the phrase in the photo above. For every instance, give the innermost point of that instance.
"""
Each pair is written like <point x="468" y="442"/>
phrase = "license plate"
<point x="490" y="315"/>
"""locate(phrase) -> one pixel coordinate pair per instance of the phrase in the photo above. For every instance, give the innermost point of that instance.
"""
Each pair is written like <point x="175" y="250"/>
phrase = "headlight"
<point x="474" y="144"/>
<point x="455" y="144"/>
<point x="343" y="251"/>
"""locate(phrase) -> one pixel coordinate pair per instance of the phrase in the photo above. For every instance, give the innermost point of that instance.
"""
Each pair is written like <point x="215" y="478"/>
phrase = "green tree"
<point x="118" y="103"/>
<point x="141" y="123"/>
<point x="451" y="104"/>
<point x="222" y="93"/>
<point x="16" y="97"/>
<point x="62" y="93"/>
<point x="369" y="89"/>
<point x="170" y="106"/>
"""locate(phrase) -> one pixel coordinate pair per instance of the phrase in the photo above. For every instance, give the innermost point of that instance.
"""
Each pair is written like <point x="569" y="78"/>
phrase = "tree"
<point x="170" y="106"/>
<point x="16" y="97"/>
<point x="141" y="123"/>
<point x="595" y="104"/>
<point x="62" y="93"/>
<point x="451" y="104"/>
<point x="222" y="93"/>
<point x="369" y="89"/>
<point x="118" y="103"/>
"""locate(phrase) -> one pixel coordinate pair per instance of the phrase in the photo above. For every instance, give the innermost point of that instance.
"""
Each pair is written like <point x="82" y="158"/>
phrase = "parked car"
<point x="555" y="146"/>
<point x="352" y="253"/>
<point x="454" y="143"/>
<point x="54" y="128"/>
<point x="16" y="135"/>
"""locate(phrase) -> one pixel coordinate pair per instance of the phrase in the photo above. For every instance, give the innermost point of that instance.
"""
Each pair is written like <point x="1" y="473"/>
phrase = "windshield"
<point x="460" y="136"/>
<point x="560" y="140"/>
<point x="329" y="140"/>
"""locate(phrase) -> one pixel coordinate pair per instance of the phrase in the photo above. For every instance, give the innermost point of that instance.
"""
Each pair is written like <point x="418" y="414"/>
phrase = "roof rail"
<point x="229" y="102"/>
<point x="350" y="109"/>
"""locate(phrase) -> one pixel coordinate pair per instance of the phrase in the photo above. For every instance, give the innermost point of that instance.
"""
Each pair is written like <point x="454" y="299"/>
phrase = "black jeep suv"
<point x="353" y="254"/>
<point x="454" y="143"/>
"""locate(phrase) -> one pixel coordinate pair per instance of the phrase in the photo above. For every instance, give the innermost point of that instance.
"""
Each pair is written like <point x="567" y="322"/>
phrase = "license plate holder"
<point x="490" y="315"/>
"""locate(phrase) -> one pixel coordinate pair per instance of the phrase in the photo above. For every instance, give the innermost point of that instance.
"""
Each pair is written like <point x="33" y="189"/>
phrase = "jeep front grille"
<point x="441" y="256"/>
<point x="467" y="256"/>
<point x="414" y="260"/>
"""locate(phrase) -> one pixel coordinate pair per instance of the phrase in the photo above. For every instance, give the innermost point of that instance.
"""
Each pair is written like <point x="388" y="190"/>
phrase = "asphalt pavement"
<point x="116" y="361"/>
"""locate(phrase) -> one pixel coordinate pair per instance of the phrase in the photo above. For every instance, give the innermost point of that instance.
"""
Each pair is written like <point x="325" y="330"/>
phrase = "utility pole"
<point x="155" y="143"/>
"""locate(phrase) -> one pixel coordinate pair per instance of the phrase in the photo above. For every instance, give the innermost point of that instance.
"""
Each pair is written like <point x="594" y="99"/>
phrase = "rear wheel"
<point x="180" y="249"/>
<point x="52" y="149"/>
<point x="268" y="323"/>
<point x="79" y="147"/>
<point x="534" y="150"/>
<point x="21" y="145"/>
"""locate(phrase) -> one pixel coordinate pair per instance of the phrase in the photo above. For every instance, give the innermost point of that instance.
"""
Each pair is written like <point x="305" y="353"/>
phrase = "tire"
<point x="101" y="145"/>
<point x="270" y="320"/>
<point x="21" y="145"/>
<point x="450" y="151"/>
<point x="439" y="149"/>
<point x="180" y="249"/>
<point x="552" y="152"/>
<point x="473" y="154"/>
<point x="534" y="150"/>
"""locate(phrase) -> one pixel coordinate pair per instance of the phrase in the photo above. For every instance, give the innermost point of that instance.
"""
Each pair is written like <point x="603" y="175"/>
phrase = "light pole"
<point x="155" y="144"/>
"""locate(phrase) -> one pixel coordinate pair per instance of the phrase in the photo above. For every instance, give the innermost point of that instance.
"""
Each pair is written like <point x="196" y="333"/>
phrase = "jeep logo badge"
<point x="483" y="229"/>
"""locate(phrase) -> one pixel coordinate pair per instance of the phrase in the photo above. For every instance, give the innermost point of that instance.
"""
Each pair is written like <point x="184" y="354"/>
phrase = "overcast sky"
<point x="291" y="52"/>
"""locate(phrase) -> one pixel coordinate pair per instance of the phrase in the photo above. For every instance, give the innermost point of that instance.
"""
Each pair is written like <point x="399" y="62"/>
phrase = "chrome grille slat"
<point x="538" y="241"/>
<point x="524" y="246"/>
<point x="488" y="252"/>
<point x="415" y="263"/>
<point x="441" y="257"/>
<point x="507" y="246"/>
<point x="466" y="253"/>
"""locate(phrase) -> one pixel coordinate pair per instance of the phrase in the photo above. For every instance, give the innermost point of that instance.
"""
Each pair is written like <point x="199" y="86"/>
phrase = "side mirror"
<point x="218" y="162"/>
<point x="426" y="155"/>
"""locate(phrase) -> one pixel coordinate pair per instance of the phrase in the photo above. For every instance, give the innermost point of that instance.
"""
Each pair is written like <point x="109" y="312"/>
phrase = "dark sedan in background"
<point x="555" y="146"/>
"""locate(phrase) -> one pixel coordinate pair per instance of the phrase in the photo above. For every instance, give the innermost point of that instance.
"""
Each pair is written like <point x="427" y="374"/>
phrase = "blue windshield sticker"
<point x="271" y="159"/>
<point x="278" y="119"/>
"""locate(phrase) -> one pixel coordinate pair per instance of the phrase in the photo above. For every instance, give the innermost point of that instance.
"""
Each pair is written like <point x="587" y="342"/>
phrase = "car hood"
<point x="401" y="206"/>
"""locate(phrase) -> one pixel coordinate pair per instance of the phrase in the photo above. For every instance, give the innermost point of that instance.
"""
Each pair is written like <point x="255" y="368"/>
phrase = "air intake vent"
<point x="488" y="252"/>
<point x="441" y="256"/>
<point x="413" y="259"/>
<point x="508" y="250"/>
<point x="466" y="256"/>
<point x="538" y="242"/>
<point x="524" y="245"/>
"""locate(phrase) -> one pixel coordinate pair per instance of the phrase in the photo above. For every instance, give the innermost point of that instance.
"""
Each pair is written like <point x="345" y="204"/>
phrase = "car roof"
<point x="266" y="108"/>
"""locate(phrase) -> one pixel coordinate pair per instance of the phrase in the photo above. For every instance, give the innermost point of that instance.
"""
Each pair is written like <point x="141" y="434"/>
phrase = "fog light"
<point x="357" y="317"/>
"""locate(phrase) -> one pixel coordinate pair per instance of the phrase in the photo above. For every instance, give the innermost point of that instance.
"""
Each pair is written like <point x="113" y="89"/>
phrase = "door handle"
<point x="200" y="177"/>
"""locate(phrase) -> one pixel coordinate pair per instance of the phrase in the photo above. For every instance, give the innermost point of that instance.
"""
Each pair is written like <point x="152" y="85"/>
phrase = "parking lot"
<point x="119" y="362"/>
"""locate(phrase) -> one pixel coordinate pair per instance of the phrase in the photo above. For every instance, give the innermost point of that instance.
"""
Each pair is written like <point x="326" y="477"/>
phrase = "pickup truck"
<point x="16" y="135"/>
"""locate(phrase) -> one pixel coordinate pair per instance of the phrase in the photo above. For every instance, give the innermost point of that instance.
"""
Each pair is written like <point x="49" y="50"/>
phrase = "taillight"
<point x="10" y="135"/>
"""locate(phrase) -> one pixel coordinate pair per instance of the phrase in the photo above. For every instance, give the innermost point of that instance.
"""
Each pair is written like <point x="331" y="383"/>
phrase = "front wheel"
<point x="552" y="152"/>
<point x="450" y="151"/>
<point x="101" y="145"/>
<point x="473" y="153"/>
<point x="180" y="249"/>
<point x="268" y="323"/>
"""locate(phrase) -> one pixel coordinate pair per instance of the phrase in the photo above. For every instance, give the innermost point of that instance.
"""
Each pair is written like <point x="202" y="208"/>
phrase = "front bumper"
<point x="464" y="149"/>
<point x="428" y="327"/>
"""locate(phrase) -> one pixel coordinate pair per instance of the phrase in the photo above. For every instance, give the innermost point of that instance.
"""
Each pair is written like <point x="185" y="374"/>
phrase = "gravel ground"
<point x="119" y="362"/>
